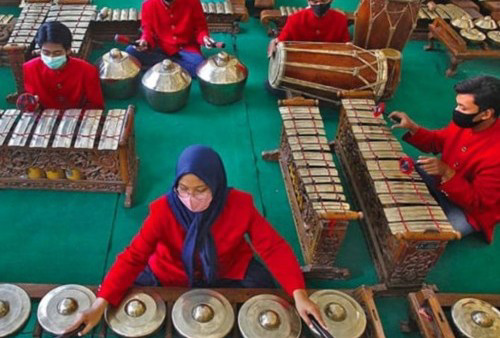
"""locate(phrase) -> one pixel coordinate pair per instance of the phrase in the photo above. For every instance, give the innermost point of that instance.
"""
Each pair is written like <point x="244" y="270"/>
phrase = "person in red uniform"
<point x="466" y="179"/>
<point x="195" y="236"/>
<point x="317" y="23"/>
<point x="172" y="29"/>
<point x="57" y="79"/>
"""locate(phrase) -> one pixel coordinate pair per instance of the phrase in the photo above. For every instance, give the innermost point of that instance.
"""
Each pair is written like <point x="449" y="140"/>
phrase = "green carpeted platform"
<point x="64" y="237"/>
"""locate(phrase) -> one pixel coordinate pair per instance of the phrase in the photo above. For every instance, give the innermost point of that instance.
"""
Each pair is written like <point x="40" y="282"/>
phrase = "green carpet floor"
<point x="64" y="237"/>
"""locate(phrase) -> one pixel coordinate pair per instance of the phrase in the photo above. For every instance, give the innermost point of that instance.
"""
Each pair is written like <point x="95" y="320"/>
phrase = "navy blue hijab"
<point x="207" y="165"/>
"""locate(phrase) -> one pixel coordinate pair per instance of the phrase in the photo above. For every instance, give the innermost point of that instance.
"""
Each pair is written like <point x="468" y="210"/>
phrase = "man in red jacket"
<point x="468" y="172"/>
<point x="172" y="29"/>
<point x="317" y="23"/>
<point x="58" y="80"/>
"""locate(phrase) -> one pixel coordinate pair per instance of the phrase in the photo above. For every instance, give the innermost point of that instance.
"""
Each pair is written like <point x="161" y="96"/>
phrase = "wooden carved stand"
<point x="456" y="45"/>
<point x="427" y="311"/>
<point x="364" y="295"/>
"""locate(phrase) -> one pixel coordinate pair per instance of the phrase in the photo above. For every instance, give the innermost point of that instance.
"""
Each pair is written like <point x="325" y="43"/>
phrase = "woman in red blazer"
<point x="195" y="236"/>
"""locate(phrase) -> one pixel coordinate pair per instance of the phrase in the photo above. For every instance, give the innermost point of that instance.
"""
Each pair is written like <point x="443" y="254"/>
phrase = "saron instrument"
<point x="407" y="228"/>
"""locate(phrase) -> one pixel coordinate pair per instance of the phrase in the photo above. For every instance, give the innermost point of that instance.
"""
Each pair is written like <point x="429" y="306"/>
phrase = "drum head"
<point x="202" y="313"/>
<point x="269" y="316"/>
<point x="476" y="318"/>
<point x="58" y="309"/>
<point x="277" y="65"/>
<point x="15" y="307"/>
<point x="344" y="316"/>
<point x="138" y="315"/>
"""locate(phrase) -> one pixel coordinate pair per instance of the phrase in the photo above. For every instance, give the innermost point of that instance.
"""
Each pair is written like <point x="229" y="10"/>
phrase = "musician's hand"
<point x="431" y="5"/>
<point x="90" y="317"/>
<point x="306" y="306"/>
<point x="435" y="166"/>
<point x="208" y="42"/>
<point x="271" y="49"/>
<point x="405" y="123"/>
<point x="142" y="45"/>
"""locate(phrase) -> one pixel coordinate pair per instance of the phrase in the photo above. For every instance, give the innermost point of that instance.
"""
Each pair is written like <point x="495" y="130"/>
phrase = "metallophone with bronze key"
<point x="319" y="207"/>
<point x="249" y="313"/>
<point x="81" y="150"/>
<point x="473" y="314"/>
<point x="407" y="229"/>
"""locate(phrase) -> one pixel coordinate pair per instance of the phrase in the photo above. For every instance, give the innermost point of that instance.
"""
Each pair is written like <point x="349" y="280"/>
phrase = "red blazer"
<point x="182" y="25"/>
<point x="75" y="85"/>
<point x="160" y="240"/>
<point x="306" y="26"/>
<point x="475" y="156"/>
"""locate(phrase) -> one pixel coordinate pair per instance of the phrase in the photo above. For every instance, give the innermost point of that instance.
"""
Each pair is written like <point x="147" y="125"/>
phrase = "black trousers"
<point x="256" y="276"/>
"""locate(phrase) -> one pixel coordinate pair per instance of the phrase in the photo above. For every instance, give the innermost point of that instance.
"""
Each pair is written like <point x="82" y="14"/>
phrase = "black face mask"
<point x="321" y="9"/>
<point x="465" y="120"/>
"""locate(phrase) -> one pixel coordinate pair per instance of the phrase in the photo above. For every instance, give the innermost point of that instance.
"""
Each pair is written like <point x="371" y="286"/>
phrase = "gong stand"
<point x="364" y="295"/>
<point x="427" y="311"/>
<point x="457" y="46"/>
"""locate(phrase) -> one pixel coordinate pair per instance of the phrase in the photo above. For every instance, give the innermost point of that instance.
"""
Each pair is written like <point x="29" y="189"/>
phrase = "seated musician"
<point x="195" y="236"/>
<point x="466" y="179"/>
<point x="172" y="29"/>
<point x="57" y="79"/>
<point x="317" y="23"/>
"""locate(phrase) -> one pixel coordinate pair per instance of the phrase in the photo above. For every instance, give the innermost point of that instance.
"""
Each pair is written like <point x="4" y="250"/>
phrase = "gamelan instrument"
<point x="319" y="207"/>
<point x="385" y="23"/>
<point x="174" y="312"/>
<point x="15" y="308"/>
<point x="139" y="314"/>
<point x="408" y="230"/>
<point x="269" y="316"/>
<point x="343" y="315"/>
<point x="7" y="23"/>
<point x="472" y="315"/>
<point x="59" y="308"/>
<point x="328" y="71"/>
<point x="75" y="149"/>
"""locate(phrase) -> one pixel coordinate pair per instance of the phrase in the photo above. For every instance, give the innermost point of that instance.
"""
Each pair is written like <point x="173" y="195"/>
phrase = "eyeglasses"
<point x="196" y="194"/>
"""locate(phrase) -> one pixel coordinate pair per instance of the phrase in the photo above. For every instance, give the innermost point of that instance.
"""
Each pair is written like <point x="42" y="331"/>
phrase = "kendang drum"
<point x="385" y="23"/>
<point x="328" y="70"/>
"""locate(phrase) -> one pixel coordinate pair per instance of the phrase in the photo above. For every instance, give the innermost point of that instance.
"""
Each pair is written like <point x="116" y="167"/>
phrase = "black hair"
<point x="55" y="32"/>
<point x="485" y="89"/>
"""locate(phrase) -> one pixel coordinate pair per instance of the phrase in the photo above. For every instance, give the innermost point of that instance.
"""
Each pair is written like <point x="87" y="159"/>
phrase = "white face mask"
<point x="54" y="62"/>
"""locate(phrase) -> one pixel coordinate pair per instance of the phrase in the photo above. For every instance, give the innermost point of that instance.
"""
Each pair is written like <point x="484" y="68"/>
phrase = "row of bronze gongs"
<point x="208" y="314"/>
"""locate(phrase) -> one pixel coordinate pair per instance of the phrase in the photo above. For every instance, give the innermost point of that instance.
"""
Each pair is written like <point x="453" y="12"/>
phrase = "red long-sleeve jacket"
<point x="75" y="85"/>
<point x="475" y="157"/>
<point x="306" y="26"/>
<point x="160" y="240"/>
<point x="179" y="26"/>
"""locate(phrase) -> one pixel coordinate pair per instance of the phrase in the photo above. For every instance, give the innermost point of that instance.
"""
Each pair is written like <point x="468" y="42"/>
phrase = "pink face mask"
<point x="198" y="203"/>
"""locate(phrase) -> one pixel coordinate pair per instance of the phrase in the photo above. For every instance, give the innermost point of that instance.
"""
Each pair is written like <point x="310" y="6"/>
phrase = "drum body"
<point x="325" y="70"/>
<point x="385" y="23"/>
